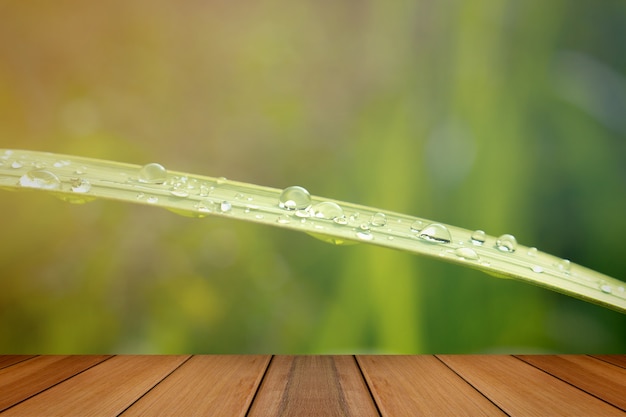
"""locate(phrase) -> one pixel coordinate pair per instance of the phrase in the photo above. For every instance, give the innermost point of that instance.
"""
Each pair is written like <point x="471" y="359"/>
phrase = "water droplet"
<point x="564" y="265"/>
<point x="342" y="220"/>
<point x="506" y="243"/>
<point x="537" y="269"/>
<point x="605" y="288"/>
<point x="178" y="190"/>
<point x="153" y="174"/>
<point x="239" y="196"/>
<point x="294" y="198"/>
<point x="466" y="253"/>
<point x="364" y="226"/>
<point x="140" y="196"/>
<point x="61" y="163"/>
<point x="378" y="220"/>
<point x="16" y="164"/>
<point x="225" y="206"/>
<point x="354" y="216"/>
<point x="80" y="170"/>
<point x="40" y="178"/>
<point x="364" y="235"/>
<point x="259" y="216"/>
<point x="478" y="237"/>
<point x="153" y="200"/>
<point x="204" y="190"/>
<point x="532" y="252"/>
<point x="80" y="185"/>
<point x="303" y="214"/>
<point x="417" y="225"/>
<point x="435" y="233"/>
<point x="221" y="180"/>
<point x="327" y="210"/>
<point x="201" y="207"/>
<point x="282" y="219"/>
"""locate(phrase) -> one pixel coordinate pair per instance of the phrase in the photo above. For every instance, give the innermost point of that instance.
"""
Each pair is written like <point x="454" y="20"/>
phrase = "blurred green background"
<point x="508" y="116"/>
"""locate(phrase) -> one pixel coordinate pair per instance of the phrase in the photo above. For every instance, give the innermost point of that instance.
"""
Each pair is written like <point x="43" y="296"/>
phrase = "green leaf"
<point x="79" y="180"/>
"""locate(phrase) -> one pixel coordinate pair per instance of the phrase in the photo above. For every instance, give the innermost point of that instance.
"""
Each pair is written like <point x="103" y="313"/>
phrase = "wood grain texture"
<point x="313" y="386"/>
<point x="594" y="376"/>
<point x="8" y="360"/>
<point x="523" y="390"/>
<point x="27" y="378"/>
<point x="215" y="386"/>
<point x="618" y="360"/>
<point x="103" y="390"/>
<point x="421" y="385"/>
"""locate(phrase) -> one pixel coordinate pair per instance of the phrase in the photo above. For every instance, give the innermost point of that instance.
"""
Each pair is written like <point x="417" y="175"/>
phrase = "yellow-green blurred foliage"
<point x="509" y="116"/>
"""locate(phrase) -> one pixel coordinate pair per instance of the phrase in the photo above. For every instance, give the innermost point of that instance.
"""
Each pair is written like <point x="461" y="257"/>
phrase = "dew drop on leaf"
<point x="605" y="288"/>
<point x="225" y="206"/>
<point x="417" y="225"/>
<point x="478" y="237"/>
<point x="294" y="198"/>
<point x="40" y="178"/>
<point x="80" y="185"/>
<point x="378" y="220"/>
<point x="466" y="253"/>
<point x="153" y="200"/>
<point x="153" y="173"/>
<point x="435" y="233"/>
<point x="327" y="210"/>
<point x="532" y="252"/>
<point x="506" y="243"/>
<point x="537" y="269"/>
<point x="364" y="235"/>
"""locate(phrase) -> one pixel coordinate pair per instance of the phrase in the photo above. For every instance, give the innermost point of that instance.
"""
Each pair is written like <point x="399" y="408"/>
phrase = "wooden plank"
<point x="103" y="390"/>
<point x="594" y="376"/>
<point x="520" y="389"/>
<point x="313" y="386"/>
<point x="221" y="385"/>
<point x="8" y="360"/>
<point x="618" y="360"/>
<point x="421" y="385"/>
<point x="27" y="378"/>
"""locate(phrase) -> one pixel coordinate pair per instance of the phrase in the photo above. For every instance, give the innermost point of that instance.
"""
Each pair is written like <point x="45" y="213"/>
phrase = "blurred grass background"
<point x="508" y="116"/>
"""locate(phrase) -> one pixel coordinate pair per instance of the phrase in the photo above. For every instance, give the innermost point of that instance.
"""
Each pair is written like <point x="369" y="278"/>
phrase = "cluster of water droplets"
<point x="59" y="177"/>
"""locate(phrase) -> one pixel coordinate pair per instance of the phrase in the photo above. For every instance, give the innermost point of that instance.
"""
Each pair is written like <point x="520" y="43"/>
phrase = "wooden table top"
<point x="265" y="385"/>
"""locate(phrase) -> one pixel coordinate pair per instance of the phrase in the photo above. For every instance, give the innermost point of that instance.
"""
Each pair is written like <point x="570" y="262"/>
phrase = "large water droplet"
<point x="506" y="243"/>
<point x="478" y="237"/>
<point x="40" y="178"/>
<point x="417" y="225"/>
<point x="378" y="220"/>
<point x="435" y="233"/>
<point x="282" y="219"/>
<point x="153" y="174"/>
<point x="605" y="288"/>
<point x="466" y="253"/>
<point x="225" y="206"/>
<point x="294" y="198"/>
<point x="564" y="265"/>
<point x="364" y="235"/>
<point x="80" y="185"/>
<point x="327" y="210"/>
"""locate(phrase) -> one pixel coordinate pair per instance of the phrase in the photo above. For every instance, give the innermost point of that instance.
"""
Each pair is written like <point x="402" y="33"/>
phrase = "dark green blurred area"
<point x="508" y="116"/>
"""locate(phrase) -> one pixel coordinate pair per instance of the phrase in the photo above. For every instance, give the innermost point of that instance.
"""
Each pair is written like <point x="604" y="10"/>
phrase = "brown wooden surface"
<point x="262" y="385"/>
<point x="523" y="390"/>
<point x="212" y="386"/>
<point x="313" y="386"/>
<point x="421" y="385"/>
